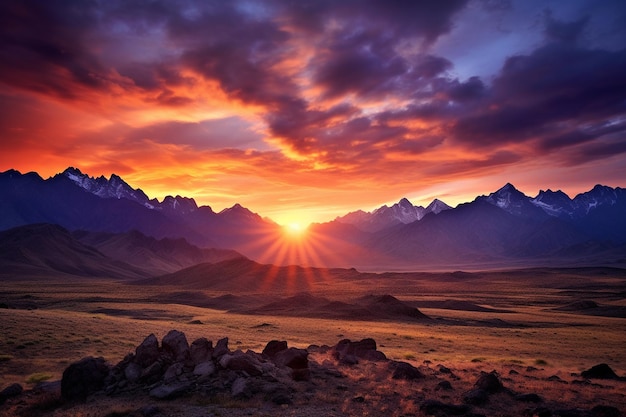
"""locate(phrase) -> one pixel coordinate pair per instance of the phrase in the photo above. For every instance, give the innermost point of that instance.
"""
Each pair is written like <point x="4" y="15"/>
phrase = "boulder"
<point x="293" y="358"/>
<point x="168" y="391"/>
<point x="601" y="371"/>
<point x="152" y="373"/>
<point x="173" y="372"/>
<point x="221" y="348"/>
<point x="147" y="352"/>
<point x="83" y="378"/>
<point x="239" y="361"/>
<point x="201" y="350"/>
<point x="273" y="347"/>
<point x="489" y="382"/>
<point x="133" y="372"/>
<point x="204" y="369"/>
<point x="240" y="388"/>
<point x="175" y="344"/>
<point x="404" y="370"/>
<point x="363" y="349"/>
<point x="11" y="391"/>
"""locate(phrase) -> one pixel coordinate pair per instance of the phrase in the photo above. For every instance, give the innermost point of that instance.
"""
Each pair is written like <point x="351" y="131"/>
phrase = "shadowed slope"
<point x="44" y="249"/>
<point x="371" y="307"/>
<point x="156" y="256"/>
<point x="243" y="274"/>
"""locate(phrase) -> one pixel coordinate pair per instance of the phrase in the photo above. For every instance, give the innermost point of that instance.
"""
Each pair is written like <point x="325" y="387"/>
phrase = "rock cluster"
<point x="174" y="367"/>
<point x="177" y="367"/>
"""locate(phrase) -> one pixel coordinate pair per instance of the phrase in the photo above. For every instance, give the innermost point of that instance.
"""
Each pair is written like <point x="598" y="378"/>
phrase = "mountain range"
<point x="147" y="237"/>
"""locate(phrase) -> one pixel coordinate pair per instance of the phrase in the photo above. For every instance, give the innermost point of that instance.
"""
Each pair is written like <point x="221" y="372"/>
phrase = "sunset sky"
<point x="305" y="110"/>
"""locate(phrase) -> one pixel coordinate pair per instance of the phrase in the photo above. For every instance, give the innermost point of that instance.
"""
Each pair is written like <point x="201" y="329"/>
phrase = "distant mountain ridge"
<point x="43" y="249"/>
<point x="401" y="212"/>
<point x="77" y="201"/>
<point x="505" y="227"/>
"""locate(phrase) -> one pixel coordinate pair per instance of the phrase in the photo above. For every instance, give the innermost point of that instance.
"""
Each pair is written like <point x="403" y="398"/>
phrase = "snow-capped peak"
<point x="513" y="201"/>
<point x="114" y="187"/>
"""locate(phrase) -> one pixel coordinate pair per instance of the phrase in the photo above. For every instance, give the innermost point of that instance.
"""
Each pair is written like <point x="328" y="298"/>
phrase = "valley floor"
<point x="537" y="329"/>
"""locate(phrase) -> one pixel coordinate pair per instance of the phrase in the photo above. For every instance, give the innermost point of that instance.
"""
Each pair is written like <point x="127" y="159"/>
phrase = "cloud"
<point x="540" y="94"/>
<point x="560" y="31"/>
<point x="325" y="93"/>
<point x="230" y="132"/>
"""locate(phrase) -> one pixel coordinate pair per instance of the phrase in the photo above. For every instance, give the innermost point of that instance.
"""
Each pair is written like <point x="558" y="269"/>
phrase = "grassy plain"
<point x="503" y="320"/>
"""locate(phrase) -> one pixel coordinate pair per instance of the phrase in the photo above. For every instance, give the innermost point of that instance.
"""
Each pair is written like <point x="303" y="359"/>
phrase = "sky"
<point x="305" y="110"/>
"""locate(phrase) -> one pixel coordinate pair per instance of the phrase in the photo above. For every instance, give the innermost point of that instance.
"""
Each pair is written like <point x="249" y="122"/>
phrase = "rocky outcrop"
<point x="83" y="378"/>
<point x="175" y="368"/>
<point x="349" y="353"/>
<point x="601" y="371"/>
<point x="488" y="383"/>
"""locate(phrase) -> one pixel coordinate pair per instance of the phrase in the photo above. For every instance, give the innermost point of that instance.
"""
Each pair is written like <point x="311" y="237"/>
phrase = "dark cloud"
<point x="471" y="89"/>
<point x="424" y="19"/>
<point x="323" y="75"/>
<point x="536" y="95"/>
<point x="361" y="64"/>
<point x="560" y="31"/>
<point x="42" y="47"/>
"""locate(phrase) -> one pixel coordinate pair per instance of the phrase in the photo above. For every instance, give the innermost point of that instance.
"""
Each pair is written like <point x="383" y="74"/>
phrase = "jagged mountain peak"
<point x="13" y="173"/>
<point x="181" y="204"/>
<point x="237" y="209"/>
<point x="437" y="206"/>
<point x="513" y="201"/>
<point x="114" y="187"/>
<point x="508" y="188"/>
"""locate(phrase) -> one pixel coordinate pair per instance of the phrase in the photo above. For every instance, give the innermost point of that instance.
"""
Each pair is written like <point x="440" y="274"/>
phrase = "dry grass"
<point x="56" y="323"/>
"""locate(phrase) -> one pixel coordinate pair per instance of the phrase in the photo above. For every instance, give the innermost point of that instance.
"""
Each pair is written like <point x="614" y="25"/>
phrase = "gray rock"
<point x="404" y="370"/>
<point x="489" y="382"/>
<point x="273" y="347"/>
<point x="293" y="358"/>
<point x="175" y="343"/>
<point x="147" y="352"/>
<point x="201" y="350"/>
<point x="204" y="369"/>
<point x="240" y="361"/>
<point x="363" y="349"/>
<point x="168" y="391"/>
<point x="133" y="372"/>
<point x="83" y="378"/>
<point x="11" y="391"/>
<point x="152" y="373"/>
<point x="173" y="372"/>
<point x="221" y="348"/>
<point x="240" y="388"/>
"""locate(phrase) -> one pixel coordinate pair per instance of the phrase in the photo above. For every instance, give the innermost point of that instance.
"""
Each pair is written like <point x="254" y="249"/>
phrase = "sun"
<point x="294" y="230"/>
